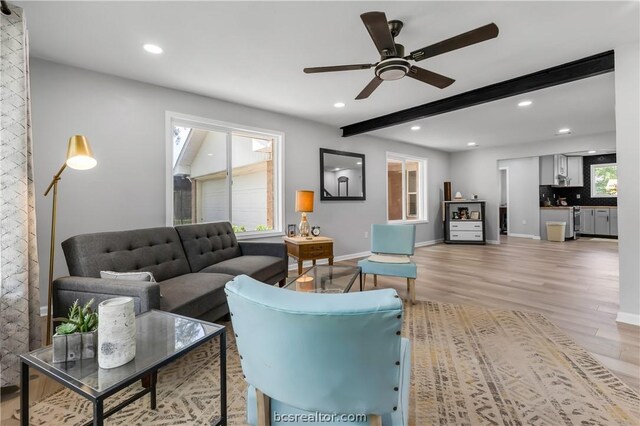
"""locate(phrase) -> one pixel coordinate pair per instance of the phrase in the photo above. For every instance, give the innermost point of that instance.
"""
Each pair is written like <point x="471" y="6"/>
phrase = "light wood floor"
<point x="575" y="284"/>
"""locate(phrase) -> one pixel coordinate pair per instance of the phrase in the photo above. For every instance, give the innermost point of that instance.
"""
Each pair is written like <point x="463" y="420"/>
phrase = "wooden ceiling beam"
<point x="561" y="74"/>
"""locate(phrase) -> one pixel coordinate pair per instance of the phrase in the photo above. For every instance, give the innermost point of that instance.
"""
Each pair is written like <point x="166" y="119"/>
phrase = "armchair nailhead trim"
<point x="397" y="362"/>
<point x="395" y="408"/>
<point x="397" y="333"/>
<point x="236" y="334"/>
<point x="395" y="389"/>
<point x="396" y="296"/>
<point x="241" y="357"/>
<point x="399" y="316"/>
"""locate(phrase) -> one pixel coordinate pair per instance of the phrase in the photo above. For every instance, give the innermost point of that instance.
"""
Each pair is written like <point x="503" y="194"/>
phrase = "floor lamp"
<point x="79" y="157"/>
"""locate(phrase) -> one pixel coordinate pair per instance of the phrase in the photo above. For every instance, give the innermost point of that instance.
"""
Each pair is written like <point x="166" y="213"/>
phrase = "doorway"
<point x="503" y="208"/>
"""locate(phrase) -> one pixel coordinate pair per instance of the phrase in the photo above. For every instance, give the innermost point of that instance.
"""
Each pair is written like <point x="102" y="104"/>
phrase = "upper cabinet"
<point x="575" y="175"/>
<point x="560" y="170"/>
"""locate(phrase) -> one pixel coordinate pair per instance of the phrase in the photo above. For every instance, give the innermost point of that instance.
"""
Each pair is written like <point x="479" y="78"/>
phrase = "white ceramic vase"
<point x="116" y="332"/>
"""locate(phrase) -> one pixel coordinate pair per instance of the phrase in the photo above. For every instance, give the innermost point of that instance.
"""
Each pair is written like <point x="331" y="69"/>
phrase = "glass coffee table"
<point x="161" y="338"/>
<point x="326" y="279"/>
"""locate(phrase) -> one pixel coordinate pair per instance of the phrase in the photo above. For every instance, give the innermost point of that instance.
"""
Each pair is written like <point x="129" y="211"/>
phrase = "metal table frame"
<point x="355" y="275"/>
<point x="98" y="398"/>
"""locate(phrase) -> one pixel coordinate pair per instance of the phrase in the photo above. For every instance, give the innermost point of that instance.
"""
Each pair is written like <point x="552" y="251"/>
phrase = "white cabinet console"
<point x="464" y="222"/>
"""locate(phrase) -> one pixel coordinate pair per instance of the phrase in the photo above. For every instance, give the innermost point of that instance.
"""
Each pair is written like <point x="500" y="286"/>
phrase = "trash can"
<point x="555" y="231"/>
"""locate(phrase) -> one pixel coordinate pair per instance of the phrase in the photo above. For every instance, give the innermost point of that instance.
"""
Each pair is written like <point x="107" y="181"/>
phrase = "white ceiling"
<point x="254" y="53"/>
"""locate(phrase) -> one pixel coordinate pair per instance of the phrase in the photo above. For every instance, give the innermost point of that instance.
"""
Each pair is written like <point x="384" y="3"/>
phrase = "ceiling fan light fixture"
<point x="392" y="69"/>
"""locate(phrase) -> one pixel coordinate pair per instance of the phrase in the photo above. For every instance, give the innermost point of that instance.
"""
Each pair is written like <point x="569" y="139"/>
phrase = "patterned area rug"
<point x="471" y="366"/>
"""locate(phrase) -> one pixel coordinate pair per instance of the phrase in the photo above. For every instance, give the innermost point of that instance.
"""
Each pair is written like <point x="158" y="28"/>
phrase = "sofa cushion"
<point x="260" y="268"/>
<point x="193" y="295"/>
<point x="156" y="250"/>
<point x="206" y="244"/>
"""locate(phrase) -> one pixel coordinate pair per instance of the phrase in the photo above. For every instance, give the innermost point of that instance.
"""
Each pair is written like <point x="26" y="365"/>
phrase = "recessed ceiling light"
<point x="592" y="152"/>
<point x="337" y="169"/>
<point x="472" y="144"/>
<point x="564" y="131"/>
<point x="339" y="105"/>
<point x="210" y="154"/>
<point x="152" y="48"/>
<point x="414" y="128"/>
<point x="524" y="103"/>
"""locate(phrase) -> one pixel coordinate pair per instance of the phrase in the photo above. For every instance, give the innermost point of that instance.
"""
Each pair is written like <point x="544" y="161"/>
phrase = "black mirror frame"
<point x="349" y="154"/>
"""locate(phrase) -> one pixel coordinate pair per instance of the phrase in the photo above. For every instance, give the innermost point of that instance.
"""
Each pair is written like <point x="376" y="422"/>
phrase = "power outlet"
<point x="578" y="196"/>
<point x="366" y="234"/>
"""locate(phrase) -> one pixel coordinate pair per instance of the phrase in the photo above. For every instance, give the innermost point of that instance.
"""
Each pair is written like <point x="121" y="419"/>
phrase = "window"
<point x="225" y="172"/>
<point x="406" y="188"/>
<point x="604" y="180"/>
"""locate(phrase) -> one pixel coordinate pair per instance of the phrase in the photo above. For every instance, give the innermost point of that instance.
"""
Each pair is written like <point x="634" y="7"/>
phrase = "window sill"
<point x="254" y="235"/>
<point x="407" y="222"/>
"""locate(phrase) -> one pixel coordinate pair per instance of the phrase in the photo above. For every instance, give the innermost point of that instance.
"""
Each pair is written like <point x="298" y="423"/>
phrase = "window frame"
<point x="423" y="193"/>
<point x="173" y="118"/>
<point x="594" y="194"/>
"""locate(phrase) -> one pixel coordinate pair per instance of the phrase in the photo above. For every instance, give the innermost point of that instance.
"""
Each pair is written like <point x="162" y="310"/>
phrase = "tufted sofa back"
<point x="157" y="250"/>
<point x="206" y="244"/>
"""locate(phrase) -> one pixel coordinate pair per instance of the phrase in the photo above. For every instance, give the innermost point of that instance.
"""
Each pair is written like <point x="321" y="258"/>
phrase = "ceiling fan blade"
<point x="478" y="35"/>
<point x="338" y="68"/>
<point x="367" y="91"/>
<point x="429" y="77"/>
<point x="376" y="23"/>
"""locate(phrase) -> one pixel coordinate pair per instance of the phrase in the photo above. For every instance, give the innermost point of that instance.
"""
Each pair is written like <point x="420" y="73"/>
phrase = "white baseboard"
<point x="493" y="242"/>
<point x="627" y="318"/>
<point x="429" y="243"/>
<point x="531" y="237"/>
<point x="536" y="237"/>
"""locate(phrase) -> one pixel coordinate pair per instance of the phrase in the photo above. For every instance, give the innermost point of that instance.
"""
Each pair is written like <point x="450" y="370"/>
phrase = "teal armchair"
<point x="390" y="241"/>
<point x="307" y="353"/>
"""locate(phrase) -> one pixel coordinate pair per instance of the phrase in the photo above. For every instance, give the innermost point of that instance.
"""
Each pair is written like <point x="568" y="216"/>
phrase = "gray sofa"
<point x="191" y="264"/>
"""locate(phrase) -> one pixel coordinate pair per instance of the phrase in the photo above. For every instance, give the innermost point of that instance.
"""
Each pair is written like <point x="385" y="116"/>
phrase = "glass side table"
<point x="161" y="338"/>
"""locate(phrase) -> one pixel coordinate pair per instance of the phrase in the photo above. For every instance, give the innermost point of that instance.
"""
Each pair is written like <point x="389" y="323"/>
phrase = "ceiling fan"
<point x="393" y="65"/>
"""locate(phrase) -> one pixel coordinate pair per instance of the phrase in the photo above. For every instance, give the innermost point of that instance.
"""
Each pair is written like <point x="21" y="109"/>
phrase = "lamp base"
<point x="304" y="227"/>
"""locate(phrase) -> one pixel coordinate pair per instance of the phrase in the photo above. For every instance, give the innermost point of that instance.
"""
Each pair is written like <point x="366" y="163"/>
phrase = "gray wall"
<point x="628" y="150"/>
<point x="476" y="171"/>
<point x="524" y="211"/>
<point x="125" y="123"/>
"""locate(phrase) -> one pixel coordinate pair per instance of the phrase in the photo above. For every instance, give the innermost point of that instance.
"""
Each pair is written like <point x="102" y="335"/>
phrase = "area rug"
<point x="471" y="366"/>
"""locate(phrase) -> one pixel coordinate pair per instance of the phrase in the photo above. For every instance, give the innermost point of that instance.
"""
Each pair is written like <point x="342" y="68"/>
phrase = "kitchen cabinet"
<point x="574" y="171"/>
<point x="587" y="221"/>
<point x="553" y="170"/>
<point x="613" y="221"/>
<point x="561" y="164"/>
<point x="556" y="214"/>
<point x="602" y="221"/>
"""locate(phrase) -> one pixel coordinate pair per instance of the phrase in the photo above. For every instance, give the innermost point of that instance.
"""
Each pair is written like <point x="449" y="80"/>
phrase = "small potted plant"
<point x="77" y="337"/>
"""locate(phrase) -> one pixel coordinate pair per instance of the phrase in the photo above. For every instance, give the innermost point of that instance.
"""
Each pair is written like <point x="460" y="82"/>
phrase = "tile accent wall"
<point x="585" y="191"/>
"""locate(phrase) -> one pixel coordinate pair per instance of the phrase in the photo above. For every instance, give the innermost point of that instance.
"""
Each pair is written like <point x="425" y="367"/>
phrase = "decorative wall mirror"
<point x="341" y="176"/>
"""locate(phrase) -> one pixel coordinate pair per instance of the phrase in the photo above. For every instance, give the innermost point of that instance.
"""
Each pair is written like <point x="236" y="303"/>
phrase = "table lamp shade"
<point x="79" y="154"/>
<point x="304" y="201"/>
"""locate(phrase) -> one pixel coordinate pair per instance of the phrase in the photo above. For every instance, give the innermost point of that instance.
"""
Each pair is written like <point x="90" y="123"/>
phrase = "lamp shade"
<point x="304" y="201"/>
<point x="79" y="155"/>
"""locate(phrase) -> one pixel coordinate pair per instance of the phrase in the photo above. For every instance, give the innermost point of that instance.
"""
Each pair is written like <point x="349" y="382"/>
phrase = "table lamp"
<point x="79" y="157"/>
<point x="304" y="205"/>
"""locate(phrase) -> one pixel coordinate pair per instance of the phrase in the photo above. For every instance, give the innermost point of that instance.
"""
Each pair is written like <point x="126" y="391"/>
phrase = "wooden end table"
<point x="309" y="248"/>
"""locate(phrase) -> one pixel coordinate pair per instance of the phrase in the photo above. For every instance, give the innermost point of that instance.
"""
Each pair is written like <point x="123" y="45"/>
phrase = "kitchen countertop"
<point x="557" y="207"/>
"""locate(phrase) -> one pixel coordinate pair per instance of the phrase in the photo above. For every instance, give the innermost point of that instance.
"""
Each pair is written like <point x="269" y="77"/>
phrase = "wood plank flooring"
<point x="575" y="284"/>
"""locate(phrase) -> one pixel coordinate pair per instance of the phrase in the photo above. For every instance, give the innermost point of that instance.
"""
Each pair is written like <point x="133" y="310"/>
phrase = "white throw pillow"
<point x="128" y="276"/>
<point x="389" y="258"/>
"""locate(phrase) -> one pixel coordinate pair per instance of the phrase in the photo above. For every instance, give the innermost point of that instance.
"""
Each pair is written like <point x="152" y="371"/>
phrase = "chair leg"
<point x="411" y="289"/>
<point x="264" y="409"/>
<point x="375" y="280"/>
<point x="375" y="420"/>
<point x="364" y="281"/>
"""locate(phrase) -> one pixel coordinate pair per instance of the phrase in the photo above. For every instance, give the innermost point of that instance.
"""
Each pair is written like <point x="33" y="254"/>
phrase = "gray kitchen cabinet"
<point x="587" y="221"/>
<point x="561" y="164"/>
<point x="602" y="221"/>
<point x="613" y="221"/>
<point x="556" y="214"/>
<point x="554" y="170"/>
<point x="574" y="171"/>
